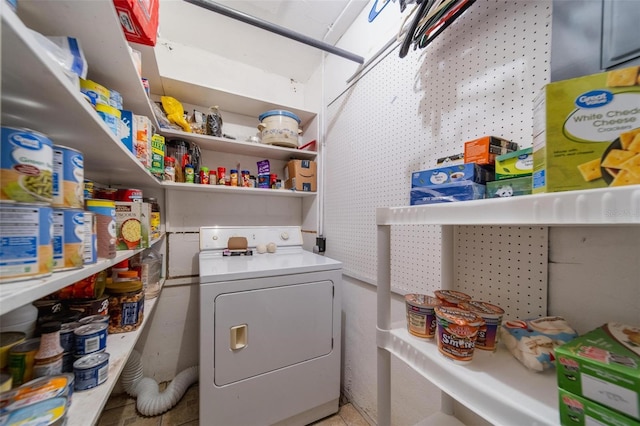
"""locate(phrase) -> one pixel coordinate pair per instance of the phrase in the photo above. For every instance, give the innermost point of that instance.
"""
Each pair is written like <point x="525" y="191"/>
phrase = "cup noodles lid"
<point x="459" y="316"/>
<point x="452" y="296"/>
<point x="422" y="300"/>
<point x="484" y="309"/>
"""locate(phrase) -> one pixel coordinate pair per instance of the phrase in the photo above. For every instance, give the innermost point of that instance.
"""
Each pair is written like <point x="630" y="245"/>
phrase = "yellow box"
<point x="587" y="132"/>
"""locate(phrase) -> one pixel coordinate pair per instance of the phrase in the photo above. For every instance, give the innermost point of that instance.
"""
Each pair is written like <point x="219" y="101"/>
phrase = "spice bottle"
<point x="170" y="169"/>
<point x="204" y="175"/>
<point x="233" y="177"/>
<point x="213" y="179"/>
<point x="48" y="360"/>
<point x="189" y="173"/>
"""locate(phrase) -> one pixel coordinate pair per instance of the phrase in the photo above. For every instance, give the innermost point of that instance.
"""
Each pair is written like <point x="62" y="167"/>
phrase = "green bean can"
<point x="26" y="166"/>
<point x="68" y="177"/>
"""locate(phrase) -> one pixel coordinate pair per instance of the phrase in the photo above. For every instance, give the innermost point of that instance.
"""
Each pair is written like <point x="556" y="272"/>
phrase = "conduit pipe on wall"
<point x="150" y="401"/>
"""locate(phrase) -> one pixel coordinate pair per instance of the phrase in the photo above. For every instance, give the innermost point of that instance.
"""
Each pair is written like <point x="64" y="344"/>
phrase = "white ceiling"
<point x="323" y="20"/>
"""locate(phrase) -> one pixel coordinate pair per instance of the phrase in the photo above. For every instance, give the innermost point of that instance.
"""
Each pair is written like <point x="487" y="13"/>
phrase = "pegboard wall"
<point x="479" y="77"/>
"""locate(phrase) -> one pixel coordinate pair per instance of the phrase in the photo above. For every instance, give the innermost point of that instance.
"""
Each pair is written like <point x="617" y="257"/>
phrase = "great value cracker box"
<point x="578" y="411"/>
<point x="603" y="366"/>
<point x="587" y="132"/>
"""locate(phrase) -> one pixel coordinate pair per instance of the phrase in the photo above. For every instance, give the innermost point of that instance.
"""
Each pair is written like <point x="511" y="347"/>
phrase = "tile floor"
<point x="120" y="410"/>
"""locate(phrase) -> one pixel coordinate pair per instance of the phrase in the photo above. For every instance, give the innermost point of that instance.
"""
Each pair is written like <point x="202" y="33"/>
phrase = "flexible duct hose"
<point x="152" y="402"/>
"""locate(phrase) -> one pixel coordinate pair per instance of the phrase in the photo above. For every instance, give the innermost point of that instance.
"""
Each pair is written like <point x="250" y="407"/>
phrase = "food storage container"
<point x="279" y="127"/>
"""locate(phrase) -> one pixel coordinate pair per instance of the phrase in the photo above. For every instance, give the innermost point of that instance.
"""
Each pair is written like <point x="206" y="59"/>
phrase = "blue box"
<point x="457" y="191"/>
<point x="446" y="175"/>
<point x="126" y="129"/>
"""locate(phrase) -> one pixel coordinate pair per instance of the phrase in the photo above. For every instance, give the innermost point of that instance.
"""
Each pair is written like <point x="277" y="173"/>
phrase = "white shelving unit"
<point x="237" y="190"/>
<point x="494" y="385"/>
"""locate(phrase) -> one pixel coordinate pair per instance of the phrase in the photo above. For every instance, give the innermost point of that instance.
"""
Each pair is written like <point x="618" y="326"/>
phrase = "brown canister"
<point x="105" y="211"/>
<point x="21" y="360"/>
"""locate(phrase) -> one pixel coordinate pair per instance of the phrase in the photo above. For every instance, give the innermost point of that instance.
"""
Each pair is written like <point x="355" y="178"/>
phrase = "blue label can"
<point x="91" y="371"/>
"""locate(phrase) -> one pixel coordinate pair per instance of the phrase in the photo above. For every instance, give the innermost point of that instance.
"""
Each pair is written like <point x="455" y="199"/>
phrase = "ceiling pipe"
<point x="276" y="29"/>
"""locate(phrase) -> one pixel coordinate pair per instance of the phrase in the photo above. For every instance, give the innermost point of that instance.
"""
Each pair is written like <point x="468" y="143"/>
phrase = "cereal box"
<point x="132" y="225"/>
<point x="603" y="365"/>
<point x="587" y="132"/>
<point x="143" y="131"/>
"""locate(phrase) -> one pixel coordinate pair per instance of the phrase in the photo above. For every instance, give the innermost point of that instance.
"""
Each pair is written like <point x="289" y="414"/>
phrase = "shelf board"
<point x="195" y="94"/>
<point x="17" y="293"/>
<point x="236" y="190"/>
<point x="86" y="406"/>
<point x="37" y="95"/>
<point x="603" y="206"/>
<point x="96" y="25"/>
<point x="494" y="385"/>
<point x="240" y="147"/>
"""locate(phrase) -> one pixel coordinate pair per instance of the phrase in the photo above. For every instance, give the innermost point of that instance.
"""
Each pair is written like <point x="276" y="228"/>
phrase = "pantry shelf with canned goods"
<point x="87" y="405"/>
<point x="221" y="144"/>
<point x="18" y="293"/>
<point x="37" y="95"/>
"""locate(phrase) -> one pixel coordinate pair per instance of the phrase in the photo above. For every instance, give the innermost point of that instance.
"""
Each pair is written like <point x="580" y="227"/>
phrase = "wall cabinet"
<point x="494" y="385"/>
<point x="36" y="94"/>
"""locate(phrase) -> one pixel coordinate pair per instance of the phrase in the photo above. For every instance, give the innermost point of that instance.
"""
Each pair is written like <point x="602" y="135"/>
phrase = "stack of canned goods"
<point x="44" y="226"/>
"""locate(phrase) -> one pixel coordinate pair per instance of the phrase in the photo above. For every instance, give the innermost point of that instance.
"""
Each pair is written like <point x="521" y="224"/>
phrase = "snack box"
<point x="485" y="149"/>
<point x="509" y="187"/>
<point x="451" y="174"/>
<point x="456" y="191"/>
<point x="132" y="225"/>
<point x="450" y="160"/>
<point x="587" y="132"/>
<point x="126" y="129"/>
<point x="139" y="20"/>
<point x="578" y="411"/>
<point x="603" y="365"/>
<point x="143" y="132"/>
<point x="157" y="156"/>
<point x="300" y="175"/>
<point x="514" y="164"/>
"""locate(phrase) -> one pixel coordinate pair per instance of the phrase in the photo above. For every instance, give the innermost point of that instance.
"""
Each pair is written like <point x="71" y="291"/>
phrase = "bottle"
<point x="48" y="360"/>
<point x="204" y="175"/>
<point x="170" y="169"/>
<point x="189" y="174"/>
<point x="213" y="179"/>
<point x="214" y="122"/>
<point x="155" y="219"/>
<point x="233" y="177"/>
<point x="222" y="176"/>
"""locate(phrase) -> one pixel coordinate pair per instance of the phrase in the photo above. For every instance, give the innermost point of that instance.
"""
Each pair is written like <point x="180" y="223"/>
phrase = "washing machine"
<point x="270" y="329"/>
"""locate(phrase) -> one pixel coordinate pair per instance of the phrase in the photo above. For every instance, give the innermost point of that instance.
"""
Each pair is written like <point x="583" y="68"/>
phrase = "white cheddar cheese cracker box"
<point x="587" y="132"/>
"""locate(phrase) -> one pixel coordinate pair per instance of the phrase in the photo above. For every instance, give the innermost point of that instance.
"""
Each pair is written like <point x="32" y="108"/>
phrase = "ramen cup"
<point x="492" y="315"/>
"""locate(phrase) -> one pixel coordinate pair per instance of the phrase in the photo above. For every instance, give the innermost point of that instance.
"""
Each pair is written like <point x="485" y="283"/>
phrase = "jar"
<point x="189" y="174"/>
<point x="48" y="359"/>
<point x="126" y="306"/>
<point x="233" y="177"/>
<point x="170" y="169"/>
<point x="204" y="176"/>
<point x="273" y="178"/>
<point x="213" y="180"/>
<point x="222" y="176"/>
<point x="245" y="179"/>
<point x="155" y="219"/>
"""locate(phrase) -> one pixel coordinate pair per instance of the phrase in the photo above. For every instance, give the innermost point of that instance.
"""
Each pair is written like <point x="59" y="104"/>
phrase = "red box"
<point x="139" y="20"/>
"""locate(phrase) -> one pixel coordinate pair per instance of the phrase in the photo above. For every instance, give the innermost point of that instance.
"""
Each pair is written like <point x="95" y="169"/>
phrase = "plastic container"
<point x="279" y="127"/>
<point x="149" y="265"/>
<point x="48" y="359"/>
<point x="126" y="306"/>
<point x="421" y="316"/>
<point x="489" y="333"/>
<point x="457" y="331"/>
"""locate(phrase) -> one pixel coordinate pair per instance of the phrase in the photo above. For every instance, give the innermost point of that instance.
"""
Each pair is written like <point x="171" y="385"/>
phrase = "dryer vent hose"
<point x="152" y="402"/>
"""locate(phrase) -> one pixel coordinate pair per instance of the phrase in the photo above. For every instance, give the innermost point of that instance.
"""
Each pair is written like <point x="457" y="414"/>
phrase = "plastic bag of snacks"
<point x="533" y="341"/>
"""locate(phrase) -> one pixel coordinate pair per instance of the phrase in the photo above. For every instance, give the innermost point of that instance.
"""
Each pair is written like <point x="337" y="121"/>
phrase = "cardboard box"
<point x="157" y="156"/>
<point x="143" y="132"/>
<point x="578" y="411"/>
<point x="514" y="164"/>
<point x="586" y="132"/>
<point x="485" y="149"/>
<point x="126" y="129"/>
<point x="450" y="174"/>
<point x="450" y="160"/>
<point x="139" y="20"/>
<point x="300" y="175"/>
<point x="132" y="225"/>
<point x="447" y="193"/>
<point x="509" y="187"/>
<point x="603" y="365"/>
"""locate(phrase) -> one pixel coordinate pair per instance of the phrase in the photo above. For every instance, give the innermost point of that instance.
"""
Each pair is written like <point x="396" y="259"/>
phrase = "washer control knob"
<point x="284" y="236"/>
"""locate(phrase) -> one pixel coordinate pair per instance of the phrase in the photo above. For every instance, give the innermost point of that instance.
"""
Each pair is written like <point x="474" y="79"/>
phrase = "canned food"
<point x="421" y="316"/>
<point x="126" y="306"/>
<point x="27" y="249"/>
<point x="67" y="336"/>
<point x="90" y="242"/>
<point x="39" y="389"/>
<point x="100" y="319"/>
<point x="26" y="166"/>
<point x="68" y="239"/>
<point x="6" y="382"/>
<point x="129" y="195"/>
<point x="50" y="412"/>
<point x="91" y="371"/>
<point x="90" y="338"/>
<point x="8" y="339"/>
<point x="88" y="307"/>
<point x="88" y="189"/>
<point x="68" y="358"/>
<point x="21" y="360"/>
<point x="105" y="211"/>
<point x="457" y="331"/>
<point x="68" y="177"/>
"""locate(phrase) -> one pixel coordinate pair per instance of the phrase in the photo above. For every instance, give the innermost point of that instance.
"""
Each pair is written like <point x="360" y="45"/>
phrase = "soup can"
<point x="421" y="316"/>
<point x="27" y="249"/>
<point x="90" y="243"/>
<point x="67" y="336"/>
<point x="21" y="360"/>
<point x="68" y="177"/>
<point x="26" y="166"/>
<point x="44" y="412"/>
<point x="91" y="371"/>
<point x="90" y="338"/>
<point x="68" y="239"/>
<point x="6" y="381"/>
<point x="8" y="339"/>
<point x="105" y="211"/>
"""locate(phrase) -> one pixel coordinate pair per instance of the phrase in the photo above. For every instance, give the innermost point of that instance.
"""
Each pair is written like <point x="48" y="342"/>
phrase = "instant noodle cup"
<point x="451" y="298"/>
<point x="492" y="315"/>
<point x="457" y="331"/>
<point x="421" y="317"/>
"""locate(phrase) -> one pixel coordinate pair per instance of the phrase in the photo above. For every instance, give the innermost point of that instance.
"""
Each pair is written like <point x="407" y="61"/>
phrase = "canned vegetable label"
<point x="68" y="239"/>
<point x="68" y="177"/>
<point x="26" y="166"/>
<point x="26" y="249"/>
